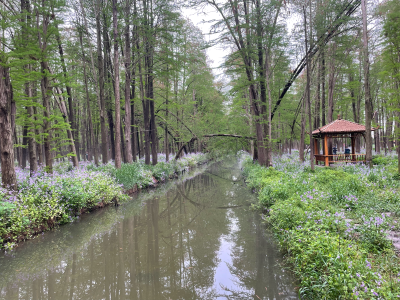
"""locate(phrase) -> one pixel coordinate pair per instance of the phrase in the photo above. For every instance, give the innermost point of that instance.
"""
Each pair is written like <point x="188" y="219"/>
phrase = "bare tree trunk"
<point x="368" y="106"/>
<point x="89" y="110"/>
<point x="302" y="131"/>
<point x="24" y="148"/>
<point x="63" y="109"/>
<point x="8" y="176"/>
<point x="45" y="86"/>
<point x="267" y="73"/>
<point x="99" y="80"/>
<point x="128" y="143"/>
<point x="377" y="135"/>
<point x="323" y="100"/>
<point x="116" y="89"/>
<point x="308" y="94"/>
<point x="332" y="79"/>
<point x="166" y="117"/>
<point x="33" y="165"/>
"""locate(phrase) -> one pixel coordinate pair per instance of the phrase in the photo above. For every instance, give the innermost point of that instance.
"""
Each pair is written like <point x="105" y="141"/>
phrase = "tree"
<point x="8" y="175"/>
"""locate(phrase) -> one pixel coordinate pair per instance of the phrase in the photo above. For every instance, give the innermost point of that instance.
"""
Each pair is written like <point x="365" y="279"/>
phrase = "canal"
<point x="191" y="238"/>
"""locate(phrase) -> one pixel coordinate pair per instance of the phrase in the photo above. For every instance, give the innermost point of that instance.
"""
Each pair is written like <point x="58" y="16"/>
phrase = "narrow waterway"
<point x="192" y="238"/>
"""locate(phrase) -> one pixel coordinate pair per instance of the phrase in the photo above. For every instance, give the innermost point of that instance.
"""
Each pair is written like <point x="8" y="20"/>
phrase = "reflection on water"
<point x="193" y="239"/>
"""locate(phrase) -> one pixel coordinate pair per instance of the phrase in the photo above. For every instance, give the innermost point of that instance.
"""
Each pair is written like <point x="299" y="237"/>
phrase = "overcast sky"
<point x="201" y="19"/>
<point x="198" y="18"/>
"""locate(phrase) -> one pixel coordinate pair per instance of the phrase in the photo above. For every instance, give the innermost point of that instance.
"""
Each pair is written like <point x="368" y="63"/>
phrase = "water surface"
<point x="193" y="238"/>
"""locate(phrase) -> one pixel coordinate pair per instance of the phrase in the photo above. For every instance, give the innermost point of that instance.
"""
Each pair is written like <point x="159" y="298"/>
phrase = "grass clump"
<point x="333" y="224"/>
<point x="44" y="200"/>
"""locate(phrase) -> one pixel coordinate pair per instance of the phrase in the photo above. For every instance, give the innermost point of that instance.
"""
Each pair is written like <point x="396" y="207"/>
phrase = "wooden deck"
<point x="340" y="158"/>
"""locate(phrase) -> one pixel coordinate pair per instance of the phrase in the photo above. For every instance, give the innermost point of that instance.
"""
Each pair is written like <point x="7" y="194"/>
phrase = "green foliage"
<point x="332" y="223"/>
<point x="46" y="200"/>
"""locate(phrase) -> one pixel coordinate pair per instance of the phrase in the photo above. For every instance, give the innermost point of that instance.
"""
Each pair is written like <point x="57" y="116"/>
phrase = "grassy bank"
<point x="44" y="201"/>
<point x="334" y="225"/>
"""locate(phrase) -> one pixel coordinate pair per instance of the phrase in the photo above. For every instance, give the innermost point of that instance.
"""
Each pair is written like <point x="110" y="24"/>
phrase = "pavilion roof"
<point x="341" y="126"/>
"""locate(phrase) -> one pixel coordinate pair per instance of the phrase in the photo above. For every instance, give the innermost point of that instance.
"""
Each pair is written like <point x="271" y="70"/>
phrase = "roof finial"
<point x="338" y="117"/>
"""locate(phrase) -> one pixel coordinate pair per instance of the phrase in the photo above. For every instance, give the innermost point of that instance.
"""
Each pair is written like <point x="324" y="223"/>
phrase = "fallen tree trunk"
<point x="211" y="135"/>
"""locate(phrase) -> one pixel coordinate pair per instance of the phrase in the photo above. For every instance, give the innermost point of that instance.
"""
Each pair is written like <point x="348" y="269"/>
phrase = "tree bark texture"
<point x="368" y="106"/>
<point x="116" y="89"/>
<point x="8" y="176"/>
<point x="127" y="132"/>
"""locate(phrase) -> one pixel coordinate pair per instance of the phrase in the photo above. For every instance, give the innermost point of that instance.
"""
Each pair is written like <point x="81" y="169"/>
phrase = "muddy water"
<point x="193" y="238"/>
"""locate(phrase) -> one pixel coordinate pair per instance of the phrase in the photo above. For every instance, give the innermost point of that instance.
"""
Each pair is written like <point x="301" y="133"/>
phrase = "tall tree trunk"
<point x="71" y="116"/>
<point x="33" y="164"/>
<point x="368" y="106"/>
<point x="102" y="103"/>
<point x="128" y="144"/>
<point x="308" y="92"/>
<point x="24" y="146"/>
<point x="63" y="109"/>
<point x="46" y="89"/>
<point x="89" y="110"/>
<point x="377" y="135"/>
<point x="262" y="77"/>
<point x="133" y="122"/>
<point x="8" y="176"/>
<point x="116" y="89"/>
<point x="112" y="133"/>
<point x="332" y="79"/>
<point x="99" y="80"/>
<point x="166" y="115"/>
<point x="302" y="131"/>
<point x="323" y="99"/>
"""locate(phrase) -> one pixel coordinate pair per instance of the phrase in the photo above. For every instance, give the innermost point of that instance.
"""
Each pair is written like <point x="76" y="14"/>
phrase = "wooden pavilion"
<point x="338" y="129"/>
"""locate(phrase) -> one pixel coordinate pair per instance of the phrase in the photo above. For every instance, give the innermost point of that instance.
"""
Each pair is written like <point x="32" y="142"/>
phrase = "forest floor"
<point x="43" y="201"/>
<point x="339" y="227"/>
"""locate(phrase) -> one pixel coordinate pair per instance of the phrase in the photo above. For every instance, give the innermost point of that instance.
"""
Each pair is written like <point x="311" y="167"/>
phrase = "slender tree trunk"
<point x="71" y="116"/>
<point x="89" y="110"/>
<point x="102" y="103"/>
<point x="323" y="101"/>
<point x="133" y="121"/>
<point x="24" y="148"/>
<point x="128" y="143"/>
<point x="332" y="79"/>
<point x="377" y="135"/>
<point x="64" y="112"/>
<point x="308" y="93"/>
<point x="368" y="106"/>
<point x="45" y="86"/>
<point x="116" y="89"/>
<point x="99" y="80"/>
<point x="302" y="131"/>
<point x="166" y="115"/>
<point x="33" y="164"/>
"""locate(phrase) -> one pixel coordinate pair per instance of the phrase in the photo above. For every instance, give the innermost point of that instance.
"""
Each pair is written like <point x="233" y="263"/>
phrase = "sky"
<point x="200" y="18"/>
<point x="216" y="54"/>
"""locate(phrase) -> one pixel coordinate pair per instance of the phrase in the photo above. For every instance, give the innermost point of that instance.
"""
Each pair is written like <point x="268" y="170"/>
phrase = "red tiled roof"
<point x="340" y="126"/>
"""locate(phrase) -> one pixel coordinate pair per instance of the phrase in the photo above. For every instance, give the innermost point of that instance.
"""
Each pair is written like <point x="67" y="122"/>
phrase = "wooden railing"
<point x="336" y="158"/>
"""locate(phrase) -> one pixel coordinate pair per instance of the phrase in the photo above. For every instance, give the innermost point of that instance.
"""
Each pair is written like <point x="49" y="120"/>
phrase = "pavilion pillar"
<point x="316" y="150"/>
<point x="326" y="153"/>
<point x="353" y="147"/>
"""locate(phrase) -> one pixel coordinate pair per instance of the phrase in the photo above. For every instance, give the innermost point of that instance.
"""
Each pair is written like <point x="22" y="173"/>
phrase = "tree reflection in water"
<point x="196" y="239"/>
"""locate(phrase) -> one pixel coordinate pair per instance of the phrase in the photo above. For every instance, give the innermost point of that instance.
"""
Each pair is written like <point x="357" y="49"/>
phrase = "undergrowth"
<point x="333" y="225"/>
<point x="43" y="201"/>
